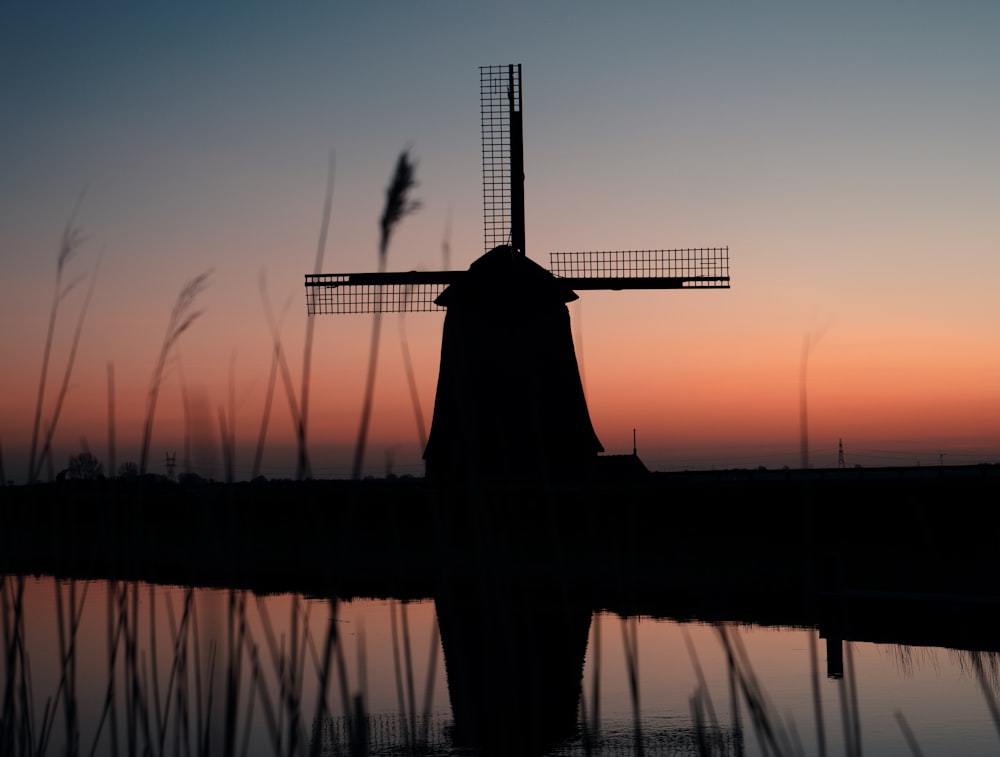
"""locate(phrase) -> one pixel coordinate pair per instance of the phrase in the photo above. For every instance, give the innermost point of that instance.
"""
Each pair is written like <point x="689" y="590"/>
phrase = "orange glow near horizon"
<point x="684" y="401"/>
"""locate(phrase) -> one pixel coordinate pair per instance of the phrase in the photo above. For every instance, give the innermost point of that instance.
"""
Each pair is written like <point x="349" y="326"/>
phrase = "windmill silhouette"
<point x="509" y="401"/>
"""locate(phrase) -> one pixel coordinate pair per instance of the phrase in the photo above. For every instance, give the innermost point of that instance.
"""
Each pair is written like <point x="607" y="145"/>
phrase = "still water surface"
<point x="103" y="667"/>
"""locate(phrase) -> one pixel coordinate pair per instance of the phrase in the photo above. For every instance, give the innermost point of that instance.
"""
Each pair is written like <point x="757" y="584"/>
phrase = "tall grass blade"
<point x="404" y="344"/>
<point x="231" y="440"/>
<point x="68" y="245"/>
<point x="411" y="382"/>
<point x="234" y="669"/>
<point x="323" y="673"/>
<point x="258" y="458"/>
<point x="277" y="362"/>
<point x="227" y="426"/>
<point x="188" y="416"/>
<point x="181" y="318"/>
<point x="303" y="455"/>
<point x="398" y="204"/>
<point x="911" y="740"/>
<point x="112" y="466"/>
<point x="70" y="361"/>
<point x="988" y="693"/>
<point x="408" y="658"/>
<point x="771" y="737"/>
<point x="360" y="712"/>
<point x="699" y="675"/>
<point x="631" y="645"/>
<point x="398" y="670"/>
<point x="429" y="685"/>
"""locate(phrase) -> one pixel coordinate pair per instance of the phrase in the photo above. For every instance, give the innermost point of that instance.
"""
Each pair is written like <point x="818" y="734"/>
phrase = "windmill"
<point x="509" y="400"/>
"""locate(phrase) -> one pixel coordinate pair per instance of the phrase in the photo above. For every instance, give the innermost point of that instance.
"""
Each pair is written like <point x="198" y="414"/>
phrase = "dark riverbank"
<point x="707" y="535"/>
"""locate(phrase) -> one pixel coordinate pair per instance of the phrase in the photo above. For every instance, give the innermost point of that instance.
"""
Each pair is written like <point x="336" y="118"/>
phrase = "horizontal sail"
<point x="415" y="291"/>
<point x="695" y="267"/>
<point x="389" y="292"/>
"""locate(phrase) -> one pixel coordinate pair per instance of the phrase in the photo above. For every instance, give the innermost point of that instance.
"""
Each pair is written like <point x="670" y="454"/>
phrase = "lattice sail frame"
<point x="499" y="92"/>
<point x="405" y="292"/>
<point x="685" y="268"/>
<point x="416" y="291"/>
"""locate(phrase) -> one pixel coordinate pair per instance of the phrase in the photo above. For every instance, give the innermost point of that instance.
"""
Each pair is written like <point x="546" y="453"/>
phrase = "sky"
<point x="845" y="153"/>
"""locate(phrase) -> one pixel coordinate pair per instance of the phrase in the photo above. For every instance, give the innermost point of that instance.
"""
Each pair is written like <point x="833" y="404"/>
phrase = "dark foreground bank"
<point x="924" y="531"/>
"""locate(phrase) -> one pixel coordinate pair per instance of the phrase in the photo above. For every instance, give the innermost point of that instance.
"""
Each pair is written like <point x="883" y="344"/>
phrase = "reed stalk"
<point x="278" y="361"/>
<point x="188" y="416"/>
<point x="405" y="696"/>
<point x="429" y="684"/>
<point x="112" y="463"/>
<point x="70" y="242"/>
<point x="181" y="318"/>
<point x="911" y="739"/>
<point x="631" y="644"/>
<point x="227" y="426"/>
<point x="699" y="675"/>
<point x="411" y="381"/>
<point x="592" y="722"/>
<point x="302" y="468"/>
<point x="234" y="672"/>
<point x="272" y="378"/>
<point x="323" y="673"/>
<point x="988" y="693"/>
<point x="404" y="342"/>
<point x="67" y="374"/>
<point x="398" y="205"/>
<point x="231" y="462"/>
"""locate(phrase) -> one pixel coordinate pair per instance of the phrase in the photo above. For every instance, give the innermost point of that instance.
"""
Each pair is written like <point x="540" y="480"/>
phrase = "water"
<point x="137" y="668"/>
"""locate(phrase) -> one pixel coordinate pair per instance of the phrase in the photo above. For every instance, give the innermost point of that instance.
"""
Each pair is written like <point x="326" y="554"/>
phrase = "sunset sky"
<point x="846" y="153"/>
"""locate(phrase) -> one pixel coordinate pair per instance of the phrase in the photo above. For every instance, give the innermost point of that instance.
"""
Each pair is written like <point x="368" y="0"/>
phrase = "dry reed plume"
<point x="181" y="318"/>
<point x="69" y="244"/>
<point x="398" y="205"/>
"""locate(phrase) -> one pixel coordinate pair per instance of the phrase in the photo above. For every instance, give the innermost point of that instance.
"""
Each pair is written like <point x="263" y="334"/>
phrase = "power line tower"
<point x="519" y="293"/>
<point x="840" y="453"/>
<point x="171" y="465"/>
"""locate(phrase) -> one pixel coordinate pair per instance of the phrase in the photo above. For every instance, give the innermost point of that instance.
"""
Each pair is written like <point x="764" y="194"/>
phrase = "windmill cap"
<point x="503" y="274"/>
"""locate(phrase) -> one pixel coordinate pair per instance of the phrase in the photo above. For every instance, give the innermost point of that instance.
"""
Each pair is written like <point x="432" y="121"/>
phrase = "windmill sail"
<point x="503" y="156"/>
<point x="689" y="268"/>
<point x="386" y="292"/>
<point x="417" y="291"/>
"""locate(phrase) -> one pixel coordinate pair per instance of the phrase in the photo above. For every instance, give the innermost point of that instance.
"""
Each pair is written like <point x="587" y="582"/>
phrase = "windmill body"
<point x="509" y="403"/>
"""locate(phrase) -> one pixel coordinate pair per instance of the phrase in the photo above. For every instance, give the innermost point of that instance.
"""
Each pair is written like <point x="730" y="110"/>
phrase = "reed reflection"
<point x="119" y="667"/>
<point x="185" y="671"/>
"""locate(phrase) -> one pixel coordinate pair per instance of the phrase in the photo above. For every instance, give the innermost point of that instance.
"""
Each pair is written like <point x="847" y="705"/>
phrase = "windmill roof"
<point x="503" y="274"/>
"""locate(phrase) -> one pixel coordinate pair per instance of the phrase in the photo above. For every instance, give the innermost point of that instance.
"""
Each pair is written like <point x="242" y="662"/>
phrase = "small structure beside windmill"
<point x="510" y="404"/>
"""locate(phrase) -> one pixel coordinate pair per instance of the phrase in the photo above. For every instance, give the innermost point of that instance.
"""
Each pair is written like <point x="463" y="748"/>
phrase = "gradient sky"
<point x="846" y="153"/>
